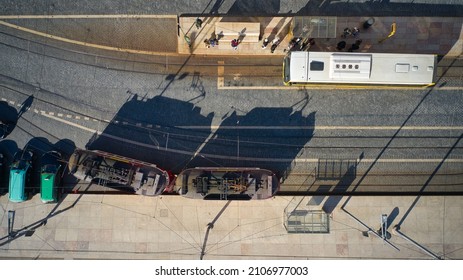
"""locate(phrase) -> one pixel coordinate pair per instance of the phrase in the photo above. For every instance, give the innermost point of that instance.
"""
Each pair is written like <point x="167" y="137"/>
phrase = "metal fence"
<point x="307" y="221"/>
<point x="314" y="27"/>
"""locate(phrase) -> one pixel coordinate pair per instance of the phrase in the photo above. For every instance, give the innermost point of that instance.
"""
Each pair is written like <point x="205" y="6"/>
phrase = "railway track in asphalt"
<point x="172" y="64"/>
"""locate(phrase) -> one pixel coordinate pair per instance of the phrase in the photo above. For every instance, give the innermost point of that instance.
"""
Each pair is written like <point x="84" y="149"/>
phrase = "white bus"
<point x="359" y="68"/>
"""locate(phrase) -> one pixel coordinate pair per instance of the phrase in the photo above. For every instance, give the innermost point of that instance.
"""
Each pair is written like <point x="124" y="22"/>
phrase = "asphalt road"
<point x="240" y="7"/>
<point x="169" y="110"/>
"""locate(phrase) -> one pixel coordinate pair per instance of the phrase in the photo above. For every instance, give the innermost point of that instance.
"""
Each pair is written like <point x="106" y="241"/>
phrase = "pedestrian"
<point x="355" y="46"/>
<point x="341" y="45"/>
<point x="206" y="43"/>
<point x="235" y="43"/>
<point x="213" y="42"/>
<point x="347" y="32"/>
<point x="275" y="44"/>
<point x="198" y="23"/>
<point x="355" y="32"/>
<point x="265" y="43"/>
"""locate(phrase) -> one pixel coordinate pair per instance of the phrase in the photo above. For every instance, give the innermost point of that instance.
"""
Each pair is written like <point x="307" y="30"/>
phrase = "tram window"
<point x="317" y="65"/>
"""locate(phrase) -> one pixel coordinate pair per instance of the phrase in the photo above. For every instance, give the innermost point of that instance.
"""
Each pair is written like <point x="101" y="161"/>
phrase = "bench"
<point x="248" y="32"/>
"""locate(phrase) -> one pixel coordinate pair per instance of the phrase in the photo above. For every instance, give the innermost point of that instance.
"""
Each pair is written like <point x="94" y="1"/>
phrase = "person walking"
<point x="355" y="46"/>
<point x="347" y="32"/>
<point x="235" y="43"/>
<point x="275" y="44"/>
<point x="341" y="45"/>
<point x="265" y="43"/>
<point x="198" y="23"/>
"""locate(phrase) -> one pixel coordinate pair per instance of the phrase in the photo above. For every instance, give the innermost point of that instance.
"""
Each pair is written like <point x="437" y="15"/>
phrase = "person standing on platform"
<point x="235" y="43"/>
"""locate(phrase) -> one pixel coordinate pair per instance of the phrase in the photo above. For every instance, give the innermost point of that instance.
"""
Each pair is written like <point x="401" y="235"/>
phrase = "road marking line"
<point x="222" y="86"/>
<point x="220" y="71"/>
<point x="301" y="160"/>
<point x="51" y="113"/>
<point x="86" y="118"/>
<point x="12" y="102"/>
<point x="68" y="116"/>
<point x="60" y="115"/>
<point x="389" y="160"/>
<point x="77" y="117"/>
<point x="215" y="127"/>
<point x="38" y="33"/>
<point x="71" y="123"/>
<point x="83" y="16"/>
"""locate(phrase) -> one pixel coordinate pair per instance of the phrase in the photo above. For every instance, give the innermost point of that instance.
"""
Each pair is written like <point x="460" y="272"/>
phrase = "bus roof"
<point x="366" y="68"/>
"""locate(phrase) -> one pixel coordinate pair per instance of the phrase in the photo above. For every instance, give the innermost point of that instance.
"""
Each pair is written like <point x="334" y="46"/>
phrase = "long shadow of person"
<point x="25" y="105"/>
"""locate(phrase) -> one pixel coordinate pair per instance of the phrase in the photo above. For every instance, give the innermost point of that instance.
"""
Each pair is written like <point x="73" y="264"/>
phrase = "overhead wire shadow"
<point x="29" y="229"/>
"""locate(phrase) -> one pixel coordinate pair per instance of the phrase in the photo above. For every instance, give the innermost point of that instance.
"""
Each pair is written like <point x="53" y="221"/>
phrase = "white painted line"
<point x="220" y="72"/>
<point x="321" y="127"/>
<point x="138" y="124"/>
<point x="125" y="123"/>
<point x="68" y="116"/>
<point x="95" y="120"/>
<point x="60" y="115"/>
<point x="12" y="102"/>
<point x="51" y="113"/>
<point x="77" y="117"/>
<point x="83" y="16"/>
<point x="72" y="124"/>
<point x="389" y="160"/>
<point x="221" y="86"/>
<point x="36" y="111"/>
<point x="298" y="160"/>
<point x="86" y="118"/>
<point x="149" y="125"/>
<point x="4" y="99"/>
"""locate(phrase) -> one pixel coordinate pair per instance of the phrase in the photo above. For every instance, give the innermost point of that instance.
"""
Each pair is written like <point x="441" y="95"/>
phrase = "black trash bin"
<point x="369" y="22"/>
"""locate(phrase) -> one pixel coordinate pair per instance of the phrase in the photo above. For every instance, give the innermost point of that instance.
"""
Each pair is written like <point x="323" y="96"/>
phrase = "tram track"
<point x="231" y="140"/>
<point x="228" y="140"/>
<point x="234" y="66"/>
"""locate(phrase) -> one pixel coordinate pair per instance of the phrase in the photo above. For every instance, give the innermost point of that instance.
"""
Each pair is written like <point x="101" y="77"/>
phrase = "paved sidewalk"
<point x="432" y="35"/>
<point x="172" y="227"/>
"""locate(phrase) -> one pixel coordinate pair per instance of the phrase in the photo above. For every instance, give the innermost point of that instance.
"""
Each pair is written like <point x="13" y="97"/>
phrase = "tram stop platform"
<point x="428" y="35"/>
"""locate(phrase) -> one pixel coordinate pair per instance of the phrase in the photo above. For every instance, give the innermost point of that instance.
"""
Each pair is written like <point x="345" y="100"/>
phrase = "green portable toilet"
<point x="50" y="174"/>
